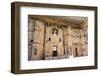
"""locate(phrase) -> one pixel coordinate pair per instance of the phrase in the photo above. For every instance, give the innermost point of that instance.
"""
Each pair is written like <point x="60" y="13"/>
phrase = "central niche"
<point x="54" y="42"/>
<point x="55" y="31"/>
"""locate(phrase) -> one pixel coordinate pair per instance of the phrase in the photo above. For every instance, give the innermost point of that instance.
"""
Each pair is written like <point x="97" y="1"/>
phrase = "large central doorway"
<point x="54" y="53"/>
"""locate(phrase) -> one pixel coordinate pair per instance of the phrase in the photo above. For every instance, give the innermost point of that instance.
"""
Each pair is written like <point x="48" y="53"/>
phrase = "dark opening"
<point x="54" y="53"/>
<point x="59" y="39"/>
<point x="76" y="51"/>
<point x="49" y="39"/>
<point x="54" y="30"/>
<point x="31" y="40"/>
<point x="84" y="35"/>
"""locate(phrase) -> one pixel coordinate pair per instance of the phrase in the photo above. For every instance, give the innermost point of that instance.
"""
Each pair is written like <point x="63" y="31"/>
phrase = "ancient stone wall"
<point x="54" y="41"/>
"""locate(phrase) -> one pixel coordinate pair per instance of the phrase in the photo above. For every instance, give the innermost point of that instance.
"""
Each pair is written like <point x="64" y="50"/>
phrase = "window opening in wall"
<point x="59" y="39"/>
<point x="31" y="40"/>
<point x="49" y="39"/>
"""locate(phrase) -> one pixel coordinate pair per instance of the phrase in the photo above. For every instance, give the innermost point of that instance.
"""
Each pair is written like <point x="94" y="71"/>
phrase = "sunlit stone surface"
<point x="50" y="37"/>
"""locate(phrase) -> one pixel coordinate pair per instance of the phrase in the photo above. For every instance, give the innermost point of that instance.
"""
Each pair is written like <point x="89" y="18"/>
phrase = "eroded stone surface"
<point x="49" y="40"/>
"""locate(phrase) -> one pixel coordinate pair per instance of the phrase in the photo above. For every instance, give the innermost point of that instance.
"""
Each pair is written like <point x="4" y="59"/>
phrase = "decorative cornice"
<point x="52" y="21"/>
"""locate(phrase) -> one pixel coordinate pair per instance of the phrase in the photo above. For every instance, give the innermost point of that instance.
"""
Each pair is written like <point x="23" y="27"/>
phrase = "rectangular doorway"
<point x="76" y="52"/>
<point x="54" y="53"/>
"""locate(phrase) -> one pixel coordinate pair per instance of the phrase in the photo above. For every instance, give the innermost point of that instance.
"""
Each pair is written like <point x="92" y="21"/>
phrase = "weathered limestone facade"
<point x="53" y="39"/>
<point x="54" y="42"/>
